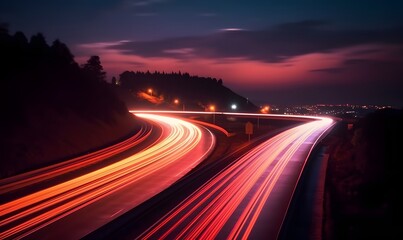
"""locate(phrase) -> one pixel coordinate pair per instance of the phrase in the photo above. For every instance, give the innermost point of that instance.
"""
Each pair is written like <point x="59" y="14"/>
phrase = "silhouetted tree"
<point x="62" y="54"/>
<point x="20" y="39"/>
<point x="38" y="45"/>
<point x="114" y="81"/>
<point x="94" y="67"/>
<point x="4" y="28"/>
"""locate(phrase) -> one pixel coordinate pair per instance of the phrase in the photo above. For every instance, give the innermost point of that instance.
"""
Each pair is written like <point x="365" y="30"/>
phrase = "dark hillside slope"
<point x="364" y="179"/>
<point x="191" y="92"/>
<point x="51" y="107"/>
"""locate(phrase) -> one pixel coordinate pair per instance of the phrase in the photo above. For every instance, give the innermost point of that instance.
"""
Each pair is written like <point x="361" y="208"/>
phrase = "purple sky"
<point x="272" y="52"/>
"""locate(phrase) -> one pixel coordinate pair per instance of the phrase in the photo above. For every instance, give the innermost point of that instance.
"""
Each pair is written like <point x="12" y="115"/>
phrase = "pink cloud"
<point x="307" y="69"/>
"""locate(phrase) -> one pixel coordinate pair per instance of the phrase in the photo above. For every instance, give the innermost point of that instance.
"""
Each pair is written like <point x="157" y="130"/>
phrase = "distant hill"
<point x="179" y="91"/>
<point x="52" y="108"/>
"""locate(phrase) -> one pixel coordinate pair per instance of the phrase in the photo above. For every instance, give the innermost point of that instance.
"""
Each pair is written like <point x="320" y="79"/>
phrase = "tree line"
<point x="52" y="108"/>
<point x="36" y="74"/>
<point x="194" y="91"/>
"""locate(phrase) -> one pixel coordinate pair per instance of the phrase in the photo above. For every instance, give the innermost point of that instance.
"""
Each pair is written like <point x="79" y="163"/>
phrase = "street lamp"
<point x="150" y="91"/>
<point x="265" y="109"/>
<point x="234" y="106"/>
<point x="176" y="101"/>
<point x="212" y="109"/>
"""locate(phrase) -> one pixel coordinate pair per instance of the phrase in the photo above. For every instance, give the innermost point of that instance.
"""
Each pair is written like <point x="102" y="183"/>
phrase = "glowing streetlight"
<point x="150" y="91"/>
<point x="176" y="101"/>
<point x="212" y="109"/>
<point x="265" y="109"/>
<point x="234" y="106"/>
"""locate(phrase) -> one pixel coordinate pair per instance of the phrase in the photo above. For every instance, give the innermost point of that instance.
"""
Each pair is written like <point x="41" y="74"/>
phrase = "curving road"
<point x="84" y="203"/>
<point x="249" y="199"/>
<point x="27" y="179"/>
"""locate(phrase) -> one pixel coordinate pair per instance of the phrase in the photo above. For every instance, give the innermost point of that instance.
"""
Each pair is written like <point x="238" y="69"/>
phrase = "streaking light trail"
<point x="181" y="146"/>
<point x="248" y="199"/>
<point x="42" y="174"/>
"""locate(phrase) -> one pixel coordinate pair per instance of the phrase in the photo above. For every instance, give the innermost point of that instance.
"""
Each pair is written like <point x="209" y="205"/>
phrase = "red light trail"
<point x="234" y="204"/>
<point x="42" y="174"/>
<point x="181" y="146"/>
<point x="246" y="195"/>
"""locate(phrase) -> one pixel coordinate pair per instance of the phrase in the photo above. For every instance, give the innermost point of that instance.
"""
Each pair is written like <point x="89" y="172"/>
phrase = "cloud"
<point x="40" y="11"/>
<point x="366" y="51"/>
<point x="357" y="61"/>
<point x="328" y="70"/>
<point x="142" y="3"/>
<point x="305" y="59"/>
<point x="276" y="44"/>
<point x="180" y="52"/>
<point x="305" y="24"/>
<point x="231" y="29"/>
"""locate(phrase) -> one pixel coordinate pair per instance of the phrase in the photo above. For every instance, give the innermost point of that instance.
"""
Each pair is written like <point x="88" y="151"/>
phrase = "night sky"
<point x="272" y="52"/>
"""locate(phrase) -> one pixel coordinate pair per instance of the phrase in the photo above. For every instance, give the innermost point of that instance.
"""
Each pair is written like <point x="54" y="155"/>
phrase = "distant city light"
<point x="265" y="109"/>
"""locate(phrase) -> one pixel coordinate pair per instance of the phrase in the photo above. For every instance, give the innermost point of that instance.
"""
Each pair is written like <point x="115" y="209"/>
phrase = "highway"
<point x="27" y="179"/>
<point x="248" y="199"/>
<point x="77" y="206"/>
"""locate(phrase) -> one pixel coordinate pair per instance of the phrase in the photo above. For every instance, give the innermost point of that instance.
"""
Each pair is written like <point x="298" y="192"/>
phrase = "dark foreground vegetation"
<point x="363" y="199"/>
<point x="51" y="107"/>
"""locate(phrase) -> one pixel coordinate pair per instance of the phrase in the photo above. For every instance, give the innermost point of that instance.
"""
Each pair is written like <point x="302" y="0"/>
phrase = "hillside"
<point x="363" y="199"/>
<point x="179" y="91"/>
<point x="52" y="108"/>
